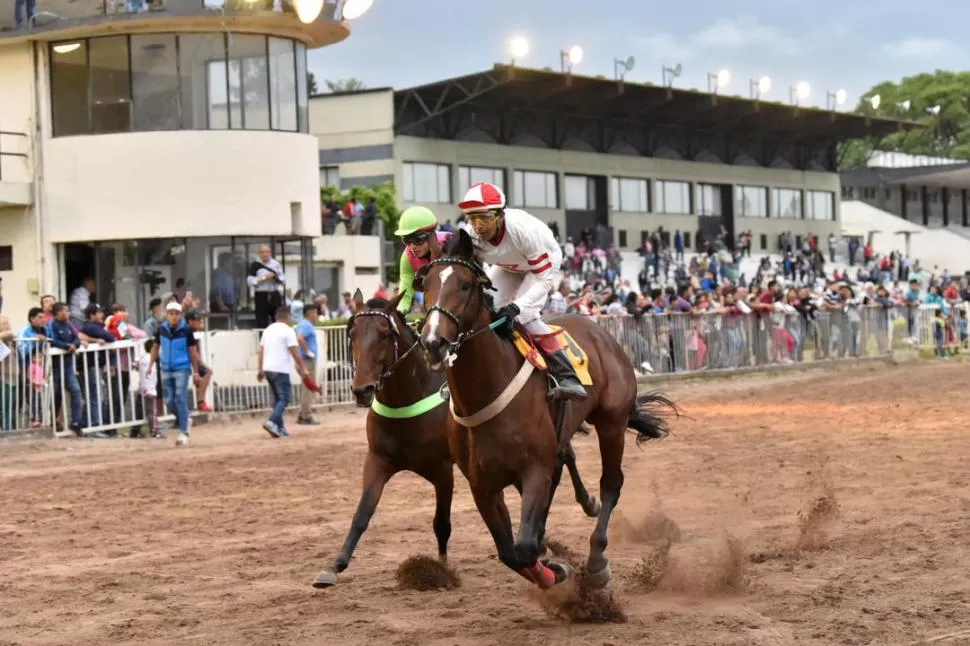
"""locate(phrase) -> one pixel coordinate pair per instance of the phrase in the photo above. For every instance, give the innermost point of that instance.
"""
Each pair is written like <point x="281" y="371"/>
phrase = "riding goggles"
<point x="482" y="216"/>
<point x="417" y="237"/>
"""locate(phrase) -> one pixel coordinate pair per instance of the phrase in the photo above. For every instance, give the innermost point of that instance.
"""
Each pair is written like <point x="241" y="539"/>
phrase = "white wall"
<point x="191" y="183"/>
<point x="20" y="286"/>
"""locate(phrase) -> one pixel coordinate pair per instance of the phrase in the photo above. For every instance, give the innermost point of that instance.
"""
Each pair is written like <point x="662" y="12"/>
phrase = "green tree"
<point x="345" y="85"/>
<point x="939" y="100"/>
<point x="385" y="200"/>
<point x="311" y="84"/>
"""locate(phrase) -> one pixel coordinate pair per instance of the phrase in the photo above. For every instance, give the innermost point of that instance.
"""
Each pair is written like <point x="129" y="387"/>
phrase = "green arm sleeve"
<point x="406" y="275"/>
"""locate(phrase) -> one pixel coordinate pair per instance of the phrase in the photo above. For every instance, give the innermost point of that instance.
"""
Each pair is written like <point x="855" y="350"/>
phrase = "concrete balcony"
<point x="66" y="19"/>
<point x="16" y="179"/>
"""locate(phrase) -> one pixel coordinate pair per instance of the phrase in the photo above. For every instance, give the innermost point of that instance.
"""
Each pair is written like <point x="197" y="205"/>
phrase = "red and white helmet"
<point x="482" y="197"/>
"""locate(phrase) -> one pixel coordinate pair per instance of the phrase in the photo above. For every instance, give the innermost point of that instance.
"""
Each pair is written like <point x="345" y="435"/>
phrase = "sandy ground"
<point x="825" y="508"/>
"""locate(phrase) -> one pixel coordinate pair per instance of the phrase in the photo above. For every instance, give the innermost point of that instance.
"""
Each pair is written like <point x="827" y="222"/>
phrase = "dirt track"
<point x="814" y="509"/>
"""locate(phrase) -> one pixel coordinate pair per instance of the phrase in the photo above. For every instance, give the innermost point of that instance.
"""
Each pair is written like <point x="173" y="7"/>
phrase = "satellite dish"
<point x="629" y="63"/>
<point x="677" y="70"/>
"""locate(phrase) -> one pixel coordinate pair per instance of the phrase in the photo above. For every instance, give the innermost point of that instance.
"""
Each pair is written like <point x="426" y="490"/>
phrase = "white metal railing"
<point x="97" y="390"/>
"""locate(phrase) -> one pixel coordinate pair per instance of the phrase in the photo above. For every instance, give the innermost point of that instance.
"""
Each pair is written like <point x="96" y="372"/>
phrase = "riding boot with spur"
<point x="567" y="383"/>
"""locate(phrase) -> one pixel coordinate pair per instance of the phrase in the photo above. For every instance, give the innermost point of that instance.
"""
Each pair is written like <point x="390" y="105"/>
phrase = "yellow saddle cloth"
<point x="576" y="355"/>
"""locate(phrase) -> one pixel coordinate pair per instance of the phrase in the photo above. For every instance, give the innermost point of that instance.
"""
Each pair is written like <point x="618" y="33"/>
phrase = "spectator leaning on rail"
<point x="525" y="264"/>
<point x="94" y="363"/>
<point x="63" y="336"/>
<point x="176" y="352"/>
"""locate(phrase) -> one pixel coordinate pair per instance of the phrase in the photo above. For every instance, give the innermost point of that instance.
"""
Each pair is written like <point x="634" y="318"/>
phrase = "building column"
<point x="946" y="206"/>
<point x="963" y="207"/>
<point x="903" y="201"/>
<point x="924" y="198"/>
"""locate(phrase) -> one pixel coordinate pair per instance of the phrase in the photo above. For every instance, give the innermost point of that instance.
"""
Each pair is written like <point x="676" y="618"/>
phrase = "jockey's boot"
<point x="567" y="383"/>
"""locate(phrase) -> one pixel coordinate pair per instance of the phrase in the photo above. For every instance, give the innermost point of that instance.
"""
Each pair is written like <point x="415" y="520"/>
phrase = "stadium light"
<point x="934" y="110"/>
<point x="626" y="65"/>
<point x="799" y="92"/>
<point x="354" y="9"/>
<point x="309" y="10"/>
<point x="718" y="81"/>
<point x="835" y="99"/>
<point x="670" y="73"/>
<point x="875" y="100"/>
<point x="67" y="48"/>
<point x="570" y="57"/>
<point x="904" y="105"/>
<point x="760" y="87"/>
<point x="518" y="48"/>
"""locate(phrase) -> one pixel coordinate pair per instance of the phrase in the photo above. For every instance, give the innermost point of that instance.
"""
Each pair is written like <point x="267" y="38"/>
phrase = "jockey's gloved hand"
<point x="509" y="311"/>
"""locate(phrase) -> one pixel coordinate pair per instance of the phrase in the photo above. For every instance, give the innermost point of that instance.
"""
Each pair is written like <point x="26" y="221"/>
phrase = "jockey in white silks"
<point x="525" y="267"/>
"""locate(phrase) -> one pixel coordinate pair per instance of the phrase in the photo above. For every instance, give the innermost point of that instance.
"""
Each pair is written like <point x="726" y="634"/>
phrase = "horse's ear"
<point x="466" y="247"/>
<point x="418" y="283"/>
<point x="392" y="304"/>
<point x="358" y="301"/>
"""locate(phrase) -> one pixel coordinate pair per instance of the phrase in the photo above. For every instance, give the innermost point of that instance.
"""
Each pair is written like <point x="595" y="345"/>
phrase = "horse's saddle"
<point x="576" y="355"/>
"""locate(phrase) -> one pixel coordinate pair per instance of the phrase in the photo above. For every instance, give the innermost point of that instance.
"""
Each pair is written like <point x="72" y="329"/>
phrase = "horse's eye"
<point x="464" y="286"/>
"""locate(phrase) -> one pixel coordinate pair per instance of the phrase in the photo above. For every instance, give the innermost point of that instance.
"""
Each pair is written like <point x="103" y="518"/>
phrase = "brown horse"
<point x="509" y="436"/>
<point x="407" y="426"/>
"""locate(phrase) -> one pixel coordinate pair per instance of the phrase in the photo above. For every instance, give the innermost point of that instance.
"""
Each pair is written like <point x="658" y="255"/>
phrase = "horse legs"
<point x="377" y="472"/>
<point x="589" y="503"/>
<point x="444" y="487"/>
<point x="536" y="498"/>
<point x="611" y="482"/>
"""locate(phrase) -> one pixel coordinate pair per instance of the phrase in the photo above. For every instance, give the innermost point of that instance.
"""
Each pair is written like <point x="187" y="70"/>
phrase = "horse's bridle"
<point x="392" y="324"/>
<point x="483" y="283"/>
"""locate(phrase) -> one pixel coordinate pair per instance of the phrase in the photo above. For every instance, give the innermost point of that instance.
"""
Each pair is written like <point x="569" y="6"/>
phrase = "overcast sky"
<point x="831" y="44"/>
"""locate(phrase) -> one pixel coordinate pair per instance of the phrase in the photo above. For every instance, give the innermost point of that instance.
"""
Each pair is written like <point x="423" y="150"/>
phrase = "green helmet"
<point x="415" y="218"/>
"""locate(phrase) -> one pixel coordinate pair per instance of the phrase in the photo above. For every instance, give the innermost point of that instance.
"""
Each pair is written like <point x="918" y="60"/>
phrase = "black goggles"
<point x="417" y="237"/>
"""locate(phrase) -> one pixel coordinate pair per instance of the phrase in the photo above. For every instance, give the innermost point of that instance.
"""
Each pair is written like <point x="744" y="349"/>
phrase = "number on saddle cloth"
<point x="576" y="355"/>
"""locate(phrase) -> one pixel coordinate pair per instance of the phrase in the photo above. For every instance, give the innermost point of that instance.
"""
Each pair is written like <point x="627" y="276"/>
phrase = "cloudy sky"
<point x="831" y="44"/>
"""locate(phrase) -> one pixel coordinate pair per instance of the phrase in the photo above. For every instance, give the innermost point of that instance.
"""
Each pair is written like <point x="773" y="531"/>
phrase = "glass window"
<point x="708" y="199"/>
<point x="536" y="189"/>
<point x="154" y="83"/>
<point x="470" y="175"/>
<point x="786" y="203"/>
<point x="69" y="88"/>
<point x="751" y="201"/>
<point x="283" y="77"/>
<point x="580" y="192"/>
<point x="430" y="183"/>
<point x="302" y="101"/>
<point x="821" y="205"/>
<point x="203" y="83"/>
<point x="330" y="176"/>
<point x="110" y="90"/>
<point x="249" y="83"/>
<point x="629" y="195"/>
<point x="673" y="197"/>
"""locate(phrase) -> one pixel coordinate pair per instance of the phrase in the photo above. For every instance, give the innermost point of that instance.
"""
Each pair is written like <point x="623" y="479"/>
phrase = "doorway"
<point x="587" y="209"/>
<point x="89" y="260"/>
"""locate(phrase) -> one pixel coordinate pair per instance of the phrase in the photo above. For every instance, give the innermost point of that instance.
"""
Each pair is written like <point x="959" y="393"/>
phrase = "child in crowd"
<point x="148" y="386"/>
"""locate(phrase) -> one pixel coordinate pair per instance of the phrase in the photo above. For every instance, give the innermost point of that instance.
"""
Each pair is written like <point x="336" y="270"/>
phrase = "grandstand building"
<point x="152" y="141"/>
<point x="580" y="152"/>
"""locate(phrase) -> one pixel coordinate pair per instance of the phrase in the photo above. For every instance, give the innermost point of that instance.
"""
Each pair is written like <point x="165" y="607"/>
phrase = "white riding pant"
<point x="510" y="285"/>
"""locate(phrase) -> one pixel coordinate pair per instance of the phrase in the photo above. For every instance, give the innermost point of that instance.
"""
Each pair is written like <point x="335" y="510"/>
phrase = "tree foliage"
<point x="311" y="84"/>
<point x="946" y="134"/>
<point x="345" y="85"/>
<point x="385" y="201"/>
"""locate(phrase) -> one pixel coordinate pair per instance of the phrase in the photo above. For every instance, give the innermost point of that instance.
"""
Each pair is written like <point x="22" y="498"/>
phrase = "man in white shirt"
<point x="278" y="354"/>
<point x="79" y="300"/>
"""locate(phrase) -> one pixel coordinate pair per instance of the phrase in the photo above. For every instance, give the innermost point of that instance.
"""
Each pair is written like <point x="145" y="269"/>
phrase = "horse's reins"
<point x="456" y="318"/>
<point x="398" y="358"/>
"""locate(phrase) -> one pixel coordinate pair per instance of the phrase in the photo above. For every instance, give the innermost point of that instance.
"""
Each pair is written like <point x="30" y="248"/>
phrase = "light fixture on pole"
<point x="934" y="110"/>
<point x="308" y="10"/>
<point x="904" y="105"/>
<point x="760" y="87"/>
<point x="718" y="81"/>
<point x="799" y="92"/>
<point x="834" y="99"/>
<point x="518" y="48"/>
<point x="874" y="101"/>
<point x="670" y="73"/>
<point x="570" y="57"/>
<point x="354" y="9"/>
<point x="621" y="67"/>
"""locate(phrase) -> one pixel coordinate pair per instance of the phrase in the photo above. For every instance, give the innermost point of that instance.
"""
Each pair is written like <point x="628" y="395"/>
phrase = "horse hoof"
<point x="593" y="507"/>
<point x="599" y="579"/>
<point x="326" y="579"/>
<point x="562" y="570"/>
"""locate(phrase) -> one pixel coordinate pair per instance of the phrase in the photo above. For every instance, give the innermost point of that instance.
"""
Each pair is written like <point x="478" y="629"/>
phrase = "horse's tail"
<point x="650" y="415"/>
